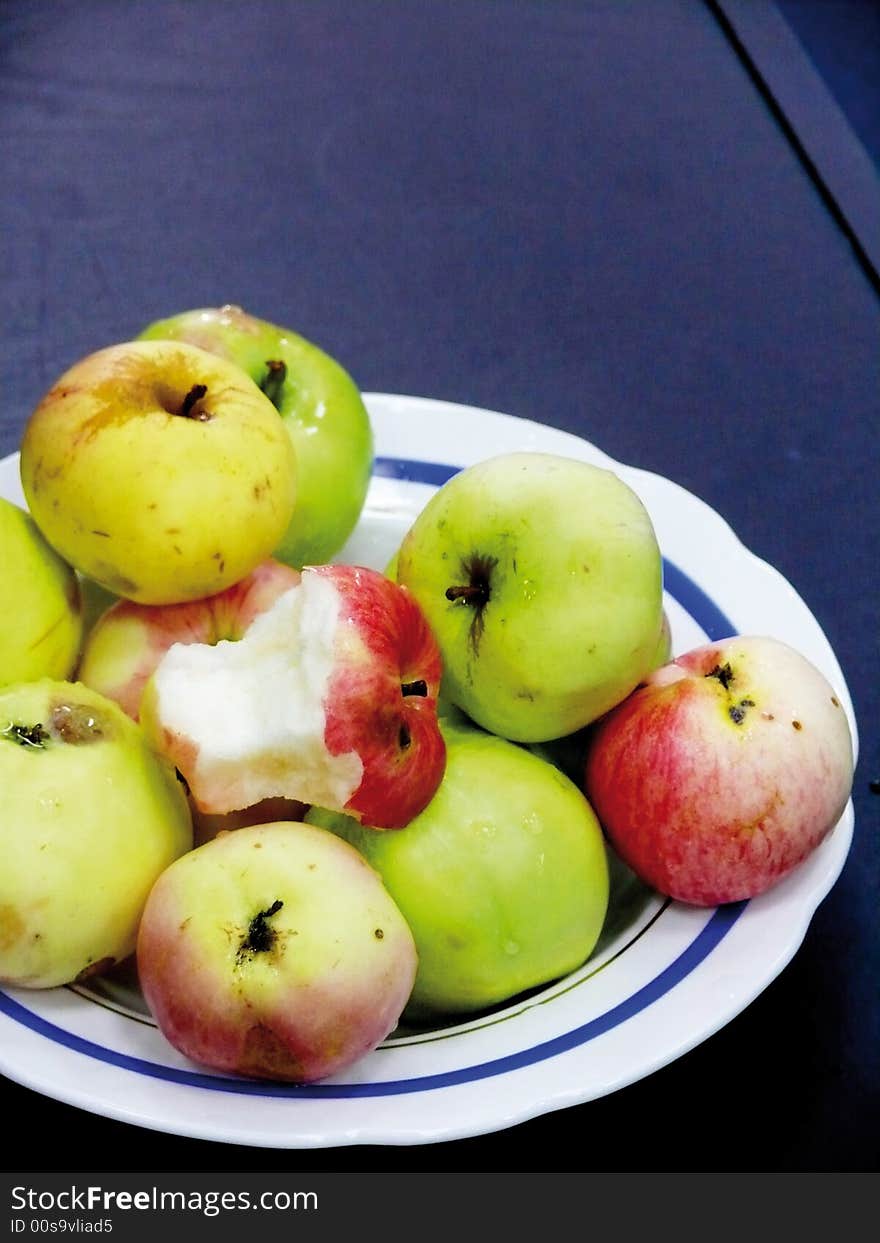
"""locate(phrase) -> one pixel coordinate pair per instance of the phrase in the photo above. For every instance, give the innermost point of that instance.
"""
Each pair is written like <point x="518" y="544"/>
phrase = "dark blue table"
<point x="646" y="223"/>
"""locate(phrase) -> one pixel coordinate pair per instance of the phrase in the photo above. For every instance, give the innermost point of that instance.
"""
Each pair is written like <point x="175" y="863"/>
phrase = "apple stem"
<point x="195" y="395"/>
<point x="419" y="687"/>
<point x="273" y="381"/>
<point x="471" y="593"/>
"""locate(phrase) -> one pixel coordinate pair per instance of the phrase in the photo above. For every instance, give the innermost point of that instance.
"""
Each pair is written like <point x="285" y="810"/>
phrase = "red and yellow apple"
<point x="274" y="952"/>
<point x="329" y="698"/>
<point x="159" y="471"/>
<point x="723" y="771"/>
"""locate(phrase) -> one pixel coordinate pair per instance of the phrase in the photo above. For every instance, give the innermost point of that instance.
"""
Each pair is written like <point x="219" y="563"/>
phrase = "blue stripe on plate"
<point x="720" y="923"/>
<point x="435" y="473"/>
<point x="716" y="625"/>
<point x="694" y="600"/>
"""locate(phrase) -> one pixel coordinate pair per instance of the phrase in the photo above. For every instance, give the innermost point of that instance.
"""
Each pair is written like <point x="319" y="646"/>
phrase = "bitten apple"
<point x="329" y="698"/>
<point x="89" y="818"/>
<point x="723" y="771"/>
<point x="127" y="642"/>
<point x="541" y="577"/>
<point x="159" y="471"/>
<point x="274" y="952"/>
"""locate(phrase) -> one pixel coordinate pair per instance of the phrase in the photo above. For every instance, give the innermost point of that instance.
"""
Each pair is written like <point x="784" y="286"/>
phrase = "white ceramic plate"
<point x="663" y="978"/>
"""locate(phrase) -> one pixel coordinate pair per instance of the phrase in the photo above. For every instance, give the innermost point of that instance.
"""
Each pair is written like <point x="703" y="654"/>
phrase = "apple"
<point x="723" y="771"/>
<point x="159" y="471"/>
<point x="320" y="406"/>
<point x="569" y="752"/>
<point x="127" y="642"/>
<point x="96" y="600"/>
<point x="41" y="621"/>
<point x="663" y="651"/>
<point x="541" y="578"/>
<point x="269" y="810"/>
<point x="274" y="952"/>
<point x="503" y="878"/>
<point x="90" y="817"/>
<point x="330" y="698"/>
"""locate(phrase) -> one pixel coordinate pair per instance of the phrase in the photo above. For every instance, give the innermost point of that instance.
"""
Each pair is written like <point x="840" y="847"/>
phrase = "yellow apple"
<point x="90" y="816"/>
<point x="159" y="471"/>
<point x="319" y="404"/>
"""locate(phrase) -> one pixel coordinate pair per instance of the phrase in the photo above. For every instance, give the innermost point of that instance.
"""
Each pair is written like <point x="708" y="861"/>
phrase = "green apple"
<point x="159" y="471"/>
<point x="90" y="817"/>
<point x="321" y="407"/>
<point x="541" y="578"/>
<point x="569" y="752"/>
<point x="96" y="601"/>
<point x="503" y="878"/>
<point x="41" y="621"/>
<point x="663" y="651"/>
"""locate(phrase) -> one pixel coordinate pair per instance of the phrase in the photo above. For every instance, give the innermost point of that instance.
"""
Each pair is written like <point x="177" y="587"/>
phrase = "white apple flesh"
<point x="127" y="642"/>
<point x="723" y="771"/>
<point x="274" y="952"/>
<point x="329" y="698"/>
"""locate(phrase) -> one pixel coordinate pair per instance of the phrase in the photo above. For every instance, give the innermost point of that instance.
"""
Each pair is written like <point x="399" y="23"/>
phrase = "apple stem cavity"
<point x="477" y="590"/>
<point x="71" y="723"/>
<point x="418" y="687"/>
<point x="190" y="409"/>
<point x="471" y="593"/>
<point x="272" y="383"/>
<point x="260" y="937"/>
<point x="723" y="673"/>
<point x="25" y="735"/>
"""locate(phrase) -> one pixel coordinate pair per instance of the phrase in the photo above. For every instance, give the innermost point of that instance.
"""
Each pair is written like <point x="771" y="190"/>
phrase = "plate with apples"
<point x="377" y="769"/>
